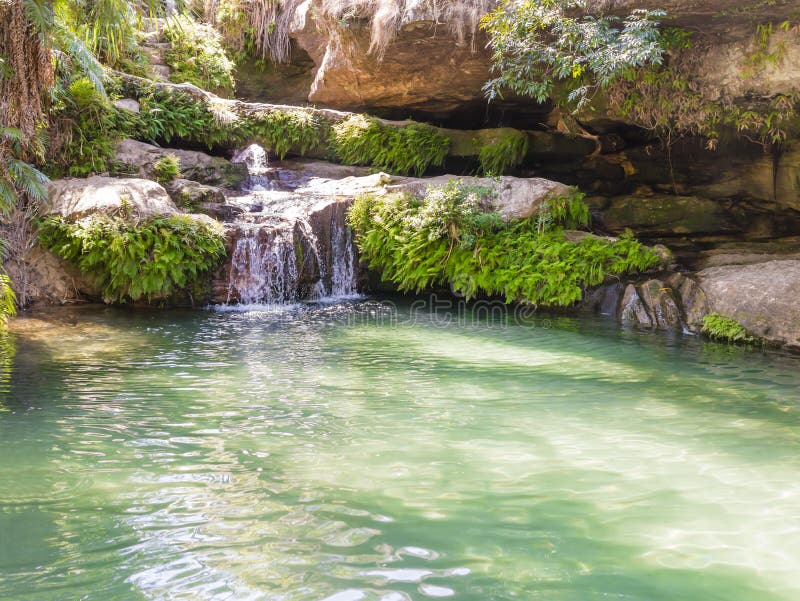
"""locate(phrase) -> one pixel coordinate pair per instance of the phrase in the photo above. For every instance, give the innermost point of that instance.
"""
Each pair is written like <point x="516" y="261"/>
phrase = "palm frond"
<point x="40" y="14"/>
<point x="8" y="196"/>
<point x="8" y="306"/>
<point x="28" y="178"/>
<point x="68" y="43"/>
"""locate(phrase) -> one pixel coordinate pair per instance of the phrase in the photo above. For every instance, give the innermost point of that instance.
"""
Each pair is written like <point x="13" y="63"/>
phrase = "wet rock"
<point x="74" y="198"/>
<point x="137" y="158"/>
<point x="604" y="300"/>
<point x="632" y="309"/>
<point x="220" y="210"/>
<point x="191" y="195"/>
<point x="661" y="305"/>
<point x="763" y="297"/>
<point x="691" y="298"/>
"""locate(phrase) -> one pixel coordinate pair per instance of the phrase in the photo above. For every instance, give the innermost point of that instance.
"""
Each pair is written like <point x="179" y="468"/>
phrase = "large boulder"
<point x="515" y="198"/>
<point x="763" y="297"/>
<point x="138" y="158"/>
<point x="74" y="198"/>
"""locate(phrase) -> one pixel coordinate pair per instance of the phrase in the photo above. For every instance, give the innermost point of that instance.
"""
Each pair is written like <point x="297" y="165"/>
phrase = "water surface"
<point x="341" y="452"/>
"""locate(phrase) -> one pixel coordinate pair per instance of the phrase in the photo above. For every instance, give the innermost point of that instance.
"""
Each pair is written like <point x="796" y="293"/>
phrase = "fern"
<point x="412" y="149"/>
<point x="283" y="131"/>
<point x="502" y="154"/>
<point x="727" y="329"/>
<point x="151" y="259"/>
<point x="450" y="238"/>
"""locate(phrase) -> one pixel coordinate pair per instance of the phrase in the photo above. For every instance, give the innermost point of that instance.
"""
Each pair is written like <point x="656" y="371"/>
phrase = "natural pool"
<point x="341" y="452"/>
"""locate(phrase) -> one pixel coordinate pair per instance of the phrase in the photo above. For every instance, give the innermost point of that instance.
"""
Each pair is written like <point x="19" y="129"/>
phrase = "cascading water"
<point x="263" y="267"/>
<point x="290" y="243"/>
<point x="343" y="260"/>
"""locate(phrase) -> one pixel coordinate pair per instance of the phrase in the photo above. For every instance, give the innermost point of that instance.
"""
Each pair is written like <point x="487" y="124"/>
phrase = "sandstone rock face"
<point x="429" y="67"/>
<point x="665" y="215"/>
<point x="763" y="297"/>
<point x="139" y="158"/>
<point x="423" y="68"/>
<point x="42" y="277"/>
<point x="75" y="199"/>
<point x="756" y="179"/>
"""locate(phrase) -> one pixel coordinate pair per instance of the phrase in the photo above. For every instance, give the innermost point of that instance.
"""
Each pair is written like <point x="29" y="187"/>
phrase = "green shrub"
<point x="502" y="154"/>
<point x="151" y="259"/>
<point x="448" y="238"/>
<point x="723" y="328"/>
<point x="283" y="131"/>
<point x="167" y="168"/>
<point x="410" y="149"/>
<point x="553" y="50"/>
<point x="196" y="56"/>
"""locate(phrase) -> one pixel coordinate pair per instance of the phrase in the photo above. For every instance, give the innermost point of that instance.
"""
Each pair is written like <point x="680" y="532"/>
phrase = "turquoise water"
<point x="344" y="453"/>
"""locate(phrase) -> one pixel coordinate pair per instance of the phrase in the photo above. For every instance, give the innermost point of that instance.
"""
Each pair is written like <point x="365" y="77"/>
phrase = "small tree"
<point x="550" y="49"/>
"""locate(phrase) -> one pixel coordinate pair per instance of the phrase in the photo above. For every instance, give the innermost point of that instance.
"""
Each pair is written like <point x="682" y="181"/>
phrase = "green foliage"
<point x="18" y="178"/>
<point x="569" y="212"/>
<point x="410" y="149"/>
<point x="167" y="168"/>
<point x="772" y="126"/>
<point x="502" y="154"/>
<point x="196" y="55"/>
<point x="84" y="119"/>
<point x="542" y="50"/>
<point x="8" y="307"/>
<point x="283" y="131"/>
<point x="166" y="116"/>
<point x="724" y="328"/>
<point x="449" y="238"/>
<point x="150" y="259"/>
<point x="761" y="55"/>
<point x="108" y="29"/>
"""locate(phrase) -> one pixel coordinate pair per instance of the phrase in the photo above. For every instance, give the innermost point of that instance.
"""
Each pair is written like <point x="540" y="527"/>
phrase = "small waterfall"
<point x="255" y="159"/>
<point x="291" y="243"/>
<point x="263" y="267"/>
<point x="343" y="260"/>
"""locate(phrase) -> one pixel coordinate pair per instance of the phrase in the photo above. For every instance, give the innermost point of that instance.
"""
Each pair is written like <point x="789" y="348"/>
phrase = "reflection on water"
<point x="325" y="452"/>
